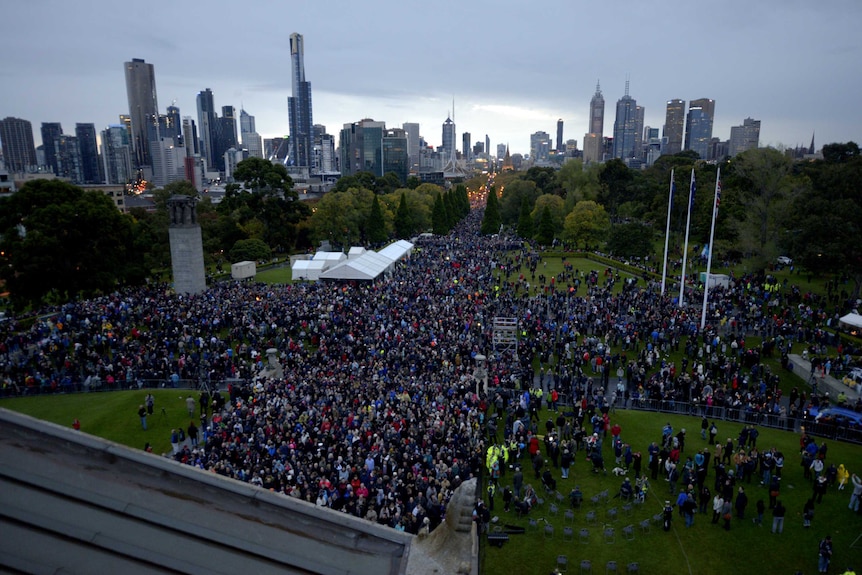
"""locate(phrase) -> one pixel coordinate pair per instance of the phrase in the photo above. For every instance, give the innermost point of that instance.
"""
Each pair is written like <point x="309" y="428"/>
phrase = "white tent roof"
<point x="330" y="256"/>
<point x="397" y="250"/>
<point x="355" y="252"/>
<point x="308" y="269"/>
<point x="852" y="319"/>
<point x="366" y="267"/>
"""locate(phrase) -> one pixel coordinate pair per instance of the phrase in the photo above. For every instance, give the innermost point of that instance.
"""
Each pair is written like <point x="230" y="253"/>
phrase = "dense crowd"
<point x="379" y="412"/>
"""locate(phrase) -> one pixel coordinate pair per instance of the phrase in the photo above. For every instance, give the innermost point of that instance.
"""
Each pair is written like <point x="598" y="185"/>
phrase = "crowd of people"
<point x="380" y="411"/>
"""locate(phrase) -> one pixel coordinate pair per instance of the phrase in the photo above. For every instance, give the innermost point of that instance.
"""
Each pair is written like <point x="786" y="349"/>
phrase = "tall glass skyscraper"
<point x="597" y="112"/>
<point x="143" y="108"/>
<point x="19" y="151"/>
<point x="625" y="127"/>
<point x="207" y="126"/>
<point x="674" y="126"/>
<point x="51" y="132"/>
<point x="299" y="107"/>
<point x="91" y="167"/>
<point x="698" y="126"/>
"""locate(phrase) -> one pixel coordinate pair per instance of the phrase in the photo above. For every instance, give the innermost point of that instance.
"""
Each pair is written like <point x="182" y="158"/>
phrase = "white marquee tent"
<point x="851" y="320"/>
<point x="369" y="265"/>
<point x="308" y="269"/>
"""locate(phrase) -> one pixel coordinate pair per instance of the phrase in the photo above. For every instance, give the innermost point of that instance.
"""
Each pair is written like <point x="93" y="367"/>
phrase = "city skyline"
<point x="501" y="91"/>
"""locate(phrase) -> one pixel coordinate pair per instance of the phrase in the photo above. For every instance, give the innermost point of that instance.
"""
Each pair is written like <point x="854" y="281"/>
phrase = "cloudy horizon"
<point x="511" y="69"/>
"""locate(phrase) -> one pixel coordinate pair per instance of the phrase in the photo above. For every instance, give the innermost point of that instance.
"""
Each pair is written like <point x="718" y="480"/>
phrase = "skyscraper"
<point x="250" y="138"/>
<point x="361" y="147"/>
<point x="561" y="147"/>
<point x="190" y="137"/>
<point x="117" y="154"/>
<point x="744" y="137"/>
<point x="51" y="132"/>
<point x="395" y="153"/>
<point x="19" y="151"/>
<point x="68" y="157"/>
<point x="698" y="126"/>
<point x="207" y="126"/>
<point x="91" y="167"/>
<point x="170" y="125"/>
<point x="466" y="146"/>
<point x="225" y="136"/>
<point x="412" y="131"/>
<point x="597" y="112"/>
<point x="448" y="148"/>
<point x="143" y="108"/>
<point x="625" y="127"/>
<point x="540" y="146"/>
<point x="639" y="132"/>
<point x="674" y="126"/>
<point x="299" y="106"/>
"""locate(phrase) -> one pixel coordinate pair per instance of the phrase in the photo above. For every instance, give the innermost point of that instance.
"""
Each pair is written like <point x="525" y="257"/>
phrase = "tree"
<point x="250" y="250"/>
<point x="262" y="176"/>
<point x="403" y="221"/>
<point x="587" y="223"/>
<point x="557" y="211"/>
<point x="513" y="194"/>
<point x="615" y="178"/>
<point x="545" y="228"/>
<point x="578" y="183"/>
<point x="491" y="221"/>
<point x="413" y="182"/>
<point x="525" y="220"/>
<point x="375" y="229"/>
<point x="439" y="220"/>
<point x="56" y="239"/>
<point x="631" y="240"/>
<point x="763" y="177"/>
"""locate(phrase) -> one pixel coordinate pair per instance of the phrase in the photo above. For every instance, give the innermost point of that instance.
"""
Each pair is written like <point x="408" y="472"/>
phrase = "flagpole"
<point x="715" y="204"/>
<point x="685" y="246"/>
<point x="667" y="233"/>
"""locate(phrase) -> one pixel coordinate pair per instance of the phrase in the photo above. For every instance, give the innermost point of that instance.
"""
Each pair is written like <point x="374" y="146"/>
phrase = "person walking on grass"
<point x="824" y="554"/>
<point x="778" y="513"/>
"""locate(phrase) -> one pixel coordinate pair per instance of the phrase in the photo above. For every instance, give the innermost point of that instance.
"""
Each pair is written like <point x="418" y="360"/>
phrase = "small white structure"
<point x="332" y="257"/>
<point x="716" y="280"/>
<point x="355" y="252"/>
<point x="309" y="270"/>
<point x="243" y="270"/>
<point x="852" y="321"/>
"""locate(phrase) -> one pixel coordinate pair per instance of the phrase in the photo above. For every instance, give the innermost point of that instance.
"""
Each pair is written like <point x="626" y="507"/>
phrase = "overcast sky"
<point x="513" y="68"/>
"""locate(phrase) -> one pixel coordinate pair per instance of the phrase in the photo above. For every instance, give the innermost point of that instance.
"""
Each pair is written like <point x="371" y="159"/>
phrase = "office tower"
<point x="639" y="132"/>
<point x="168" y="162"/>
<point x="593" y="152"/>
<point x="91" y="167"/>
<point x="698" y="126"/>
<point x="51" y="131"/>
<point x="465" y="146"/>
<point x="744" y="137"/>
<point x="597" y="112"/>
<point x="448" y="147"/>
<point x="561" y="148"/>
<point x="488" y="146"/>
<point x="68" y="157"/>
<point x="246" y="123"/>
<point x="117" y="155"/>
<point x="361" y="147"/>
<point x="190" y="137"/>
<point x="327" y="161"/>
<point x="502" y="149"/>
<point x="19" y="151"/>
<point x="299" y="106"/>
<point x="412" y="130"/>
<point x="540" y="146"/>
<point x="207" y="126"/>
<point x="143" y="108"/>
<point x="395" y="148"/>
<point x="478" y="149"/>
<point x="625" y="127"/>
<point x="170" y="125"/>
<point x="225" y="136"/>
<point x="674" y="125"/>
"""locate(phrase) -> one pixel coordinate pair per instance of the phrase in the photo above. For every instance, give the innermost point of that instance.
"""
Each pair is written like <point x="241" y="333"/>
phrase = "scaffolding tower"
<point x="505" y="335"/>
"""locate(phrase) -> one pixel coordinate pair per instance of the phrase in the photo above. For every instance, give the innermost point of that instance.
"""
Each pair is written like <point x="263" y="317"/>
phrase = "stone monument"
<point x="187" y="251"/>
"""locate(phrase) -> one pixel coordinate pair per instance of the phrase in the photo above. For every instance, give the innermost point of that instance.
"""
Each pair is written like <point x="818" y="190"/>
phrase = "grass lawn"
<point x="550" y="266"/>
<point x="703" y="549"/>
<point x="275" y="275"/>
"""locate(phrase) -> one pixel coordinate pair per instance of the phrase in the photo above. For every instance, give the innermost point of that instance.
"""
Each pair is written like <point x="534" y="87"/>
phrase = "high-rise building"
<point x="143" y="108"/>
<point x="91" y="167"/>
<point x="561" y="147"/>
<point x="190" y="137"/>
<point x="207" y="126"/>
<point x="448" y="148"/>
<point x="597" y="112"/>
<point x="698" y="126"/>
<point x="361" y="147"/>
<point x="51" y="132"/>
<point x="488" y="146"/>
<point x="412" y="131"/>
<point x="170" y="125"/>
<point x="395" y="149"/>
<point x="466" y="146"/>
<point x="168" y="162"/>
<point x="674" y="126"/>
<point x="540" y="146"/>
<point x="625" y="127"/>
<point x="501" y="151"/>
<point x="639" y="131"/>
<point x="225" y="136"/>
<point x="744" y="137"/>
<point x="68" y="156"/>
<point x="117" y="155"/>
<point x="19" y="151"/>
<point x="593" y="148"/>
<point x="299" y="106"/>
<point x="246" y="123"/>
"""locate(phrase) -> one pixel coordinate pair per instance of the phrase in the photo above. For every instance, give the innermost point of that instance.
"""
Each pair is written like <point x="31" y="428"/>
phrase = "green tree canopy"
<point x="510" y="202"/>
<point x="250" y="250"/>
<point x="376" y="225"/>
<point x="491" y="221"/>
<point x="58" y="240"/>
<point x="587" y="224"/>
<point x="545" y="228"/>
<point x="631" y="240"/>
<point x="556" y="210"/>
<point x="403" y="222"/>
<point x="525" y="220"/>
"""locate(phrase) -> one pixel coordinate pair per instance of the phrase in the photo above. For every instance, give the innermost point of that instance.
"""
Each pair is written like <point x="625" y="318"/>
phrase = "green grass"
<point x="275" y="275"/>
<point x="703" y="549"/>
<point x="114" y="415"/>
<point x="552" y="265"/>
